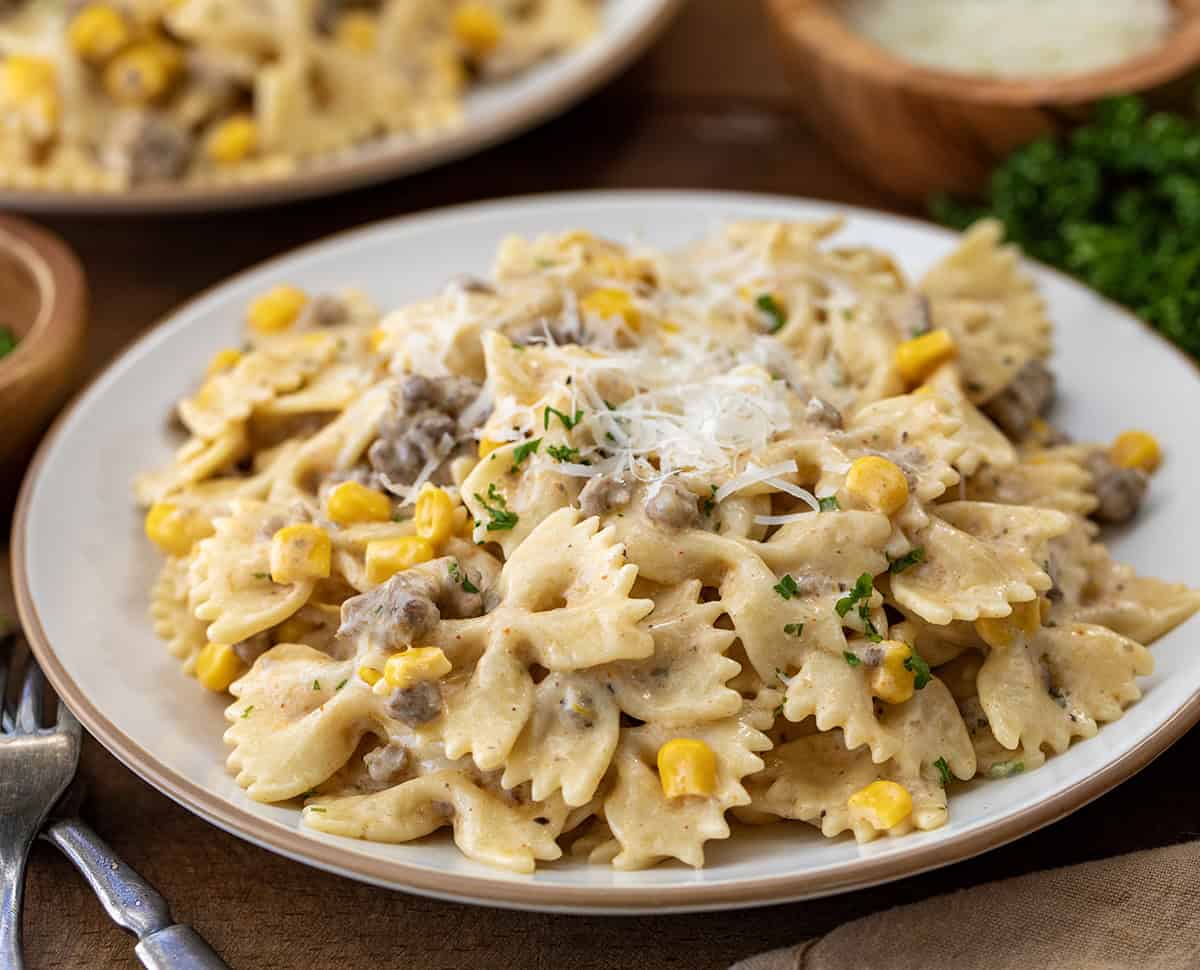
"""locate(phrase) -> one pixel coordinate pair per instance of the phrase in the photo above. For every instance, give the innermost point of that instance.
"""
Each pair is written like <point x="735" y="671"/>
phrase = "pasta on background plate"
<point x="620" y="543"/>
<point x="105" y="95"/>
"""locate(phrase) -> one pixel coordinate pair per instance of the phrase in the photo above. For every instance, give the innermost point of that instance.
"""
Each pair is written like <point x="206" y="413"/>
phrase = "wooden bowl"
<point x="915" y="130"/>
<point x="43" y="300"/>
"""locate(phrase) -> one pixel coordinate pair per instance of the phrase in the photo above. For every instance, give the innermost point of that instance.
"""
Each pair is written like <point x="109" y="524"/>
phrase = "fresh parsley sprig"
<point x="920" y="668"/>
<point x="496" y="506"/>
<point x="915" y="556"/>
<point x="770" y="308"/>
<point x="568" y="420"/>
<point x="523" y="451"/>
<point x="460" y="577"/>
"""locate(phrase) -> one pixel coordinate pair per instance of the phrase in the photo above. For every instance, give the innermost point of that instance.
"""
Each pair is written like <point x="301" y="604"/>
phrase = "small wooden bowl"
<point x="914" y="130"/>
<point x="43" y="301"/>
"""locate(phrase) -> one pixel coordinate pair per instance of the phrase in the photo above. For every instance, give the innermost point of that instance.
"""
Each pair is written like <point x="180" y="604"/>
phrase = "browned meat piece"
<point x="386" y="763"/>
<point x="398" y="612"/>
<point x="1029" y="394"/>
<point x="555" y="332"/>
<point x="673" y="506"/>
<point x="145" y="147"/>
<point x="422" y="424"/>
<point x="1119" y="490"/>
<point x="326" y="311"/>
<point x="251" y="649"/>
<point x="604" y="493"/>
<point x="415" y="705"/>
<point x="411" y="603"/>
<point x="819" y="411"/>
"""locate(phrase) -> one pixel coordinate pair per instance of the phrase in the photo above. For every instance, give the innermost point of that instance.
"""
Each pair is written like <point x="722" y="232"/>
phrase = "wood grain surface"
<point x="706" y="109"/>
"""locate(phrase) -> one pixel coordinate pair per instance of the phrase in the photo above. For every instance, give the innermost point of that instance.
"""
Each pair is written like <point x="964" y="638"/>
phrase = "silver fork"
<point x="36" y="766"/>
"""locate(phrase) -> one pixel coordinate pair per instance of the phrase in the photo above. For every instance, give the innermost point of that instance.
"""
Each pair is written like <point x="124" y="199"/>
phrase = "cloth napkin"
<point x="1133" y="912"/>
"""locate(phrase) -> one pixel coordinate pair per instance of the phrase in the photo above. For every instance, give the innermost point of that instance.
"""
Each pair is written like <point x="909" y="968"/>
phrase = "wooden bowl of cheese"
<point x="917" y="118"/>
<point x="43" y="310"/>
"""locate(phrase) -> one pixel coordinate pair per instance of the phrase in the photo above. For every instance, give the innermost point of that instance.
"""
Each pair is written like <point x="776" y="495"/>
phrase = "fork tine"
<point x="67" y="722"/>
<point x="8" y="643"/>
<point x="29" y="711"/>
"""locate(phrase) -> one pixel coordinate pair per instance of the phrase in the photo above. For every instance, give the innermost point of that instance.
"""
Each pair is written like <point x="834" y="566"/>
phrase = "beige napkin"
<point x="1135" y="912"/>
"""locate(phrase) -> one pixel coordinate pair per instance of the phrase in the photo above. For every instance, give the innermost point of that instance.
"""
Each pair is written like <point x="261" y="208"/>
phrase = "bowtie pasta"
<point x="103" y="95"/>
<point x="619" y="543"/>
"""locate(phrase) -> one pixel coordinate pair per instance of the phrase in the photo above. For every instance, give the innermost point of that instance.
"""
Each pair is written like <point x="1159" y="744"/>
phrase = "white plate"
<point x="83" y="569"/>
<point x="491" y="113"/>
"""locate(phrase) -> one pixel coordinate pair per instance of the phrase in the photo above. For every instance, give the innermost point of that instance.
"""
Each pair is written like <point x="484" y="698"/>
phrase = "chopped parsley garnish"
<point x="316" y="808"/>
<point x="261" y="575"/>
<point x="8" y="341"/>
<point x="523" y="451"/>
<point x="246" y="712"/>
<point x="519" y="348"/>
<point x="787" y="587"/>
<point x="850" y="658"/>
<point x="793" y="629"/>
<point x="461" y="578"/>
<point x="871" y="630"/>
<point x="543" y="263"/>
<point x="770" y="306"/>
<point x="502" y="518"/>
<point x="342" y="684"/>
<point x="707" y="505"/>
<point x="864" y="586"/>
<point x="913" y="557"/>
<point x="1006" y="769"/>
<point x="919" y="667"/>
<point x="316" y="685"/>
<point x="943" y="770"/>
<point x="568" y="420"/>
<point x="828" y="504"/>
<point x="564" y="453"/>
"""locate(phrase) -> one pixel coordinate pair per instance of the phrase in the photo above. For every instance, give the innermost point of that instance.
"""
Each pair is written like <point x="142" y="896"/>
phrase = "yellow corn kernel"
<point x="386" y="557"/>
<point x="415" y="665"/>
<point x="1136" y="449"/>
<point x="609" y="303"/>
<point x="224" y="360"/>
<point x="142" y="73"/>
<point x="292" y="630"/>
<point x="891" y="681"/>
<point x="30" y="85"/>
<point x="376" y="339"/>
<point x="1001" y="631"/>
<point x="98" y="32"/>
<point x="175" y="530"/>
<point x="300" y="552"/>
<point x="879" y="483"/>
<point x="882" y="804"/>
<point x="919" y="357"/>
<point x="370" y="675"/>
<point x="277" y="309"/>
<point x="687" y="767"/>
<point x="488" y="445"/>
<point x="218" y="666"/>
<point x="476" y="27"/>
<point x="357" y="31"/>
<point x="233" y="140"/>
<point x="351" y="502"/>
<point x="434" y="514"/>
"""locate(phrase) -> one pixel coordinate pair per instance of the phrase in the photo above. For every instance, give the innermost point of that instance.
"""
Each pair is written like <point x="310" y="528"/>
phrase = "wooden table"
<point x="706" y="109"/>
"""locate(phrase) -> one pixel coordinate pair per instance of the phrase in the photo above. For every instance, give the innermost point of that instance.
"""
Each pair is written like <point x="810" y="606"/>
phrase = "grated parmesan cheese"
<point x="1013" y="38"/>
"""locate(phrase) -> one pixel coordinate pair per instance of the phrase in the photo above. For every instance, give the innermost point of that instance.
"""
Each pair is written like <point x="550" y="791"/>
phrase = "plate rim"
<point x="334" y="175"/>
<point x="525" y="893"/>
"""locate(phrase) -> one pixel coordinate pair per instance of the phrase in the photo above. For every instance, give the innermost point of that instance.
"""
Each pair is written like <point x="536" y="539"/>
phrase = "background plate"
<point x="82" y="569"/>
<point x="491" y="113"/>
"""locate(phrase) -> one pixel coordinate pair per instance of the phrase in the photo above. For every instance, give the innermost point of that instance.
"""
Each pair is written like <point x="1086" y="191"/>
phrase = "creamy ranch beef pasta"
<point x="619" y="543"/>
<point x="102" y="95"/>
